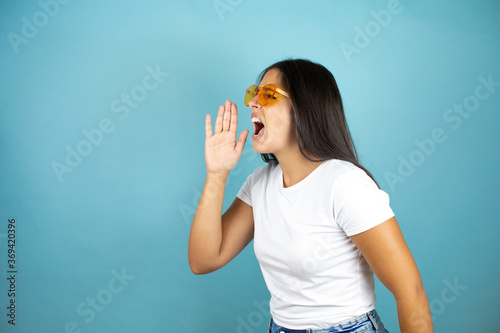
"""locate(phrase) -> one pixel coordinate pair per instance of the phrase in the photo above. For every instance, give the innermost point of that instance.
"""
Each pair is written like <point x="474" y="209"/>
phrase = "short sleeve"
<point x="358" y="203"/>
<point x="259" y="175"/>
<point x="245" y="193"/>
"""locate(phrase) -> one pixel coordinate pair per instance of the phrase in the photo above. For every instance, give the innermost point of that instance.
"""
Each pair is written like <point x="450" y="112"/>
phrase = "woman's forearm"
<point x="414" y="314"/>
<point x="206" y="229"/>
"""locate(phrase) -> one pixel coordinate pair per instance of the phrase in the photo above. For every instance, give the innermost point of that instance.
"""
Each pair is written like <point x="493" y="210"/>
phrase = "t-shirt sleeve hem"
<point x="245" y="199"/>
<point x="368" y="226"/>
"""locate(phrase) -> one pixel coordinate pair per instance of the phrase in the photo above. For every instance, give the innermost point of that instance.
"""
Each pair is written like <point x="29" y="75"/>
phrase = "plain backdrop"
<point x="102" y="110"/>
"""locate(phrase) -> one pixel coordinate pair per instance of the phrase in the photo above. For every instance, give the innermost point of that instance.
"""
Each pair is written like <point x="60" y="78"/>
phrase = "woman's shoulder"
<point x="337" y="167"/>
<point x="344" y="172"/>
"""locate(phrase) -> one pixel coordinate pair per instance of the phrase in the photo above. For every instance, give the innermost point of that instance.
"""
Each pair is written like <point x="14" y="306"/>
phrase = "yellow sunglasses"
<point x="266" y="93"/>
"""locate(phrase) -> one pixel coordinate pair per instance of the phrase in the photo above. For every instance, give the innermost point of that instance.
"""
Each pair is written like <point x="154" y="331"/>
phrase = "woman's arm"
<point x="385" y="250"/>
<point x="215" y="239"/>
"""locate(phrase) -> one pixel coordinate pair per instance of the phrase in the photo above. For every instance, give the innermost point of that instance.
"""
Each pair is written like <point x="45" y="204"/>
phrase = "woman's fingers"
<point x="227" y="116"/>
<point x="234" y="118"/>
<point x="227" y="120"/>
<point x="218" y="121"/>
<point x="222" y="151"/>
<point x="208" y="126"/>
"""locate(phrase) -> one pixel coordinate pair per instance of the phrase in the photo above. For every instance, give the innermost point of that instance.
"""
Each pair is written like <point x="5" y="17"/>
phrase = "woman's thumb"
<point x="241" y="141"/>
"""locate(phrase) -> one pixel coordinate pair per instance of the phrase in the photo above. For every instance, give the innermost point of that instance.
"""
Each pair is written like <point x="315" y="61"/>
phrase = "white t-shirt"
<point x="317" y="277"/>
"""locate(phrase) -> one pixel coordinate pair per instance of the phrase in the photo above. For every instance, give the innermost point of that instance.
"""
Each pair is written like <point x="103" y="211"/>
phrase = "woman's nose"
<point x="254" y="102"/>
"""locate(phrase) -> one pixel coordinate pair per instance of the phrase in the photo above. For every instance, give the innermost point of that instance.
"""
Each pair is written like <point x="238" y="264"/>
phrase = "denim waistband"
<point x="365" y="323"/>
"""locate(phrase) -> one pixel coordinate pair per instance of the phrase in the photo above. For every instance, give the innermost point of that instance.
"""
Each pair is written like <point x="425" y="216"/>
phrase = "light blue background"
<point x="128" y="205"/>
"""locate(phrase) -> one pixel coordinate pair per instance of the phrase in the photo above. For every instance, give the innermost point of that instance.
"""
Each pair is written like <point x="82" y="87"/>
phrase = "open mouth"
<point x="258" y="127"/>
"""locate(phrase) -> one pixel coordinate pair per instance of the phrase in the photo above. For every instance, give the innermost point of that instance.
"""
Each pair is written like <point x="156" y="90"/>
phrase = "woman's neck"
<point x="295" y="167"/>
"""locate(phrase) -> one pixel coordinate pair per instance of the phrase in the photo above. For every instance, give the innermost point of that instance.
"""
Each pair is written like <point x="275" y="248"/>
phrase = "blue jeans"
<point x="367" y="323"/>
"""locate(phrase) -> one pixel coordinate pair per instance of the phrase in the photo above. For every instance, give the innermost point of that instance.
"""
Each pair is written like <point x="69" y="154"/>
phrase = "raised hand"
<point x="222" y="152"/>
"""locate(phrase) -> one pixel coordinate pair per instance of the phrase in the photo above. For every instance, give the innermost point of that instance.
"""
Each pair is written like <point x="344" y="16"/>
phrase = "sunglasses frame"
<point x="270" y="86"/>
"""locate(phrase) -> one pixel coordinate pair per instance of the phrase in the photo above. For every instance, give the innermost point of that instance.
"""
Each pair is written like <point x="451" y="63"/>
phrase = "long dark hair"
<point x="317" y="112"/>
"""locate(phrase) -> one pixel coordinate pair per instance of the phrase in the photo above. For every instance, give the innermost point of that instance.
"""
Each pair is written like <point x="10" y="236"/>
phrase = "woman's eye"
<point x="268" y="94"/>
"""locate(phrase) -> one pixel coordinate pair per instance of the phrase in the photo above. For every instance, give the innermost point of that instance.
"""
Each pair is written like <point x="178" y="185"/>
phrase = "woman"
<point x="321" y="225"/>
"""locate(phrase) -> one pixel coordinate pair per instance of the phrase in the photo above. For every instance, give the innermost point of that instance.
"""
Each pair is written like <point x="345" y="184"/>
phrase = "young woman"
<point x="320" y="223"/>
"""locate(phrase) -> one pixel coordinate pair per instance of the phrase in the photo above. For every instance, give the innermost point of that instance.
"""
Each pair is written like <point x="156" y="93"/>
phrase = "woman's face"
<point x="278" y="135"/>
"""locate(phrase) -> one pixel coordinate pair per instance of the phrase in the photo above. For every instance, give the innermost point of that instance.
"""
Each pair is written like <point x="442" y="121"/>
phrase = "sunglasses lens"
<point x="251" y="92"/>
<point x="266" y="94"/>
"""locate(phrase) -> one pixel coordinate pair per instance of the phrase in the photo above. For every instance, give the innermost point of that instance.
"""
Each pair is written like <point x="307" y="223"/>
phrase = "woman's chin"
<point x="257" y="147"/>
